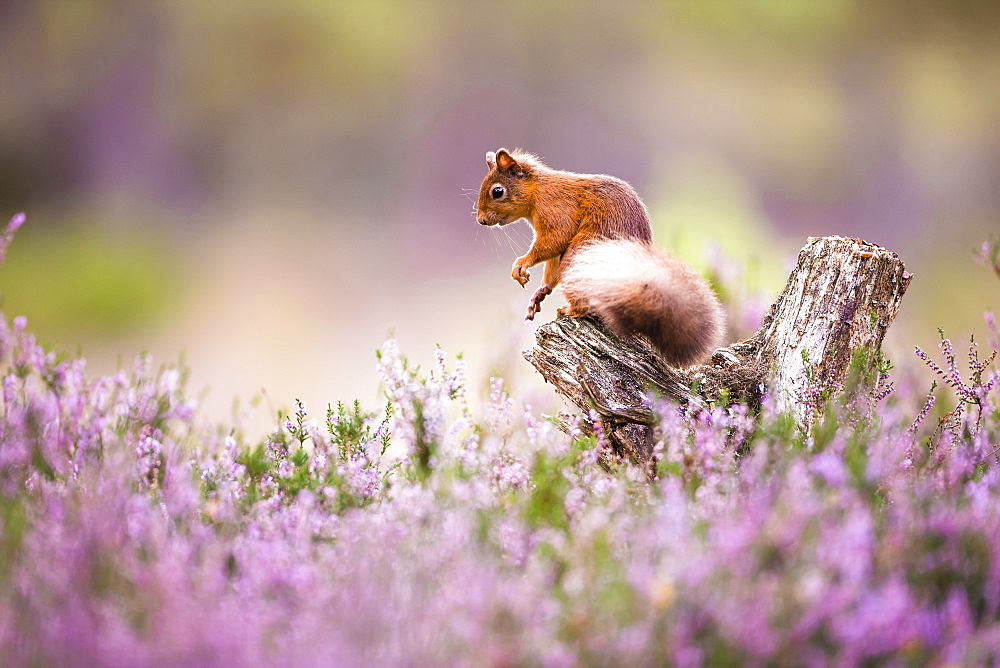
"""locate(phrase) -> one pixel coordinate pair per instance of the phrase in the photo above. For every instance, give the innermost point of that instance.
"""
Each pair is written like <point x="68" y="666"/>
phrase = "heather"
<point x="453" y="527"/>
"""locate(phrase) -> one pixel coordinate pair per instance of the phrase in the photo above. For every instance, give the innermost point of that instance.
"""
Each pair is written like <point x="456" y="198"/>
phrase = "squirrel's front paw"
<point x="520" y="273"/>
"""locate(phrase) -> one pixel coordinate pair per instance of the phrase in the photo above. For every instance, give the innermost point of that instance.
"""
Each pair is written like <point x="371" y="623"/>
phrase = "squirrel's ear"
<point x="491" y="160"/>
<point x="506" y="163"/>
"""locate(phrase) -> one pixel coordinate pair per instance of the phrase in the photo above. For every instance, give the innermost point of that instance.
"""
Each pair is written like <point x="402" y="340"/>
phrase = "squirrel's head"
<point x="505" y="194"/>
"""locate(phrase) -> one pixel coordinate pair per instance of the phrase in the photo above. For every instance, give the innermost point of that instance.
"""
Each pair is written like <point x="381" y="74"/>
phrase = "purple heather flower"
<point x="989" y="254"/>
<point x="829" y="466"/>
<point x="835" y="554"/>
<point x="8" y="234"/>
<point x="16" y="222"/>
<point x="509" y="473"/>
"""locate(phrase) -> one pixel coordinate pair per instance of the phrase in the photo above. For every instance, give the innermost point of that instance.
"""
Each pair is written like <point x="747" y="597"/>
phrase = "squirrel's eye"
<point x="497" y="192"/>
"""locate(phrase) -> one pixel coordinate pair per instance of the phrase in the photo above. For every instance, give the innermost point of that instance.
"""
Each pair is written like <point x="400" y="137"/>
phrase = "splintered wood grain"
<point x="840" y="298"/>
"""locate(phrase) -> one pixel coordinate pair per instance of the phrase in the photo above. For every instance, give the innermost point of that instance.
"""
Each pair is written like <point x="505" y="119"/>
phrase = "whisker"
<point x="522" y="241"/>
<point x="510" y="240"/>
<point x="515" y="238"/>
<point x="493" y="245"/>
<point x="496" y="246"/>
<point x="482" y="239"/>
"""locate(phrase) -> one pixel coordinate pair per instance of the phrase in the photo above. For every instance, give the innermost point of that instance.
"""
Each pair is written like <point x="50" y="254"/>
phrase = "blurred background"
<point x="270" y="189"/>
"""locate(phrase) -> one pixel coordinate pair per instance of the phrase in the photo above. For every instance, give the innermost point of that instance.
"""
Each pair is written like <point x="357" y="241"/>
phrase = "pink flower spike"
<point x="16" y="222"/>
<point x="8" y="234"/>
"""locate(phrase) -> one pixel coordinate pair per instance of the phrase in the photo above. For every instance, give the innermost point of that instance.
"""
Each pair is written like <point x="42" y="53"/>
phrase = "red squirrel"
<point x="592" y="232"/>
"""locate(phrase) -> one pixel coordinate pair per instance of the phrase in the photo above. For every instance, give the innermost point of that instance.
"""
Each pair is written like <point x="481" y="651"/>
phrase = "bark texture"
<point x="838" y="302"/>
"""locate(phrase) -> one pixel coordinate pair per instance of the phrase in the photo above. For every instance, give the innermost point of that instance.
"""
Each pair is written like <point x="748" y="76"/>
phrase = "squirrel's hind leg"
<point x="567" y="309"/>
<point x="535" y="305"/>
<point x="550" y="279"/>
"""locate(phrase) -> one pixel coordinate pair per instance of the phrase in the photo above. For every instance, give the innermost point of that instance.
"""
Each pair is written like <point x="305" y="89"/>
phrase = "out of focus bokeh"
<point x="270" y="189"/>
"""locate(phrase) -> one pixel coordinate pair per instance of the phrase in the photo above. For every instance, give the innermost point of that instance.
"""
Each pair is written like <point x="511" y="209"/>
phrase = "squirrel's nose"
<point x="481" y="219"/>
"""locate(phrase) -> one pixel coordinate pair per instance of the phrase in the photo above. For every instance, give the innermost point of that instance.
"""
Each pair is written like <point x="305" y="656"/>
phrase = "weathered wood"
<point x="839" y="300"/>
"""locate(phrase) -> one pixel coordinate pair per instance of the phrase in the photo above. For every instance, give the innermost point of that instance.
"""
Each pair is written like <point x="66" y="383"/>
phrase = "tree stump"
<point x="838" y="302"/>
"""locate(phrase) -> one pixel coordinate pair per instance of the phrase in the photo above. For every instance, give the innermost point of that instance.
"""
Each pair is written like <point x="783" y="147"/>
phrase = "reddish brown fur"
<point x="670" y="304"/>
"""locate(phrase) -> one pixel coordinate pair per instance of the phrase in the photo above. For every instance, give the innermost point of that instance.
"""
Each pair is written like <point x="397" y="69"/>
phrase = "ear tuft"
<point x="507" y="163"/>
<point x="491" y="160"/>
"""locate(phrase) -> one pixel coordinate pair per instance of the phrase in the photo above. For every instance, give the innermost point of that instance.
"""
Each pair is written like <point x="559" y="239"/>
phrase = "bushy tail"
<point x="635" y="288"/>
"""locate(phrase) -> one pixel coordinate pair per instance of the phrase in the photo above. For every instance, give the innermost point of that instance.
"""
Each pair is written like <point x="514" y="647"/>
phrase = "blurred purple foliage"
<point x="442" y="531"/>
